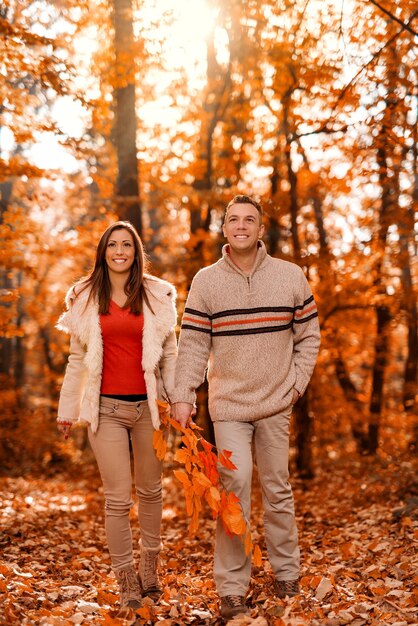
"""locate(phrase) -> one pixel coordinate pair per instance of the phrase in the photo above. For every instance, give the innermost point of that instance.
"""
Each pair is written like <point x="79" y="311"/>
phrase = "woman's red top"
<point x="122" y="352"/>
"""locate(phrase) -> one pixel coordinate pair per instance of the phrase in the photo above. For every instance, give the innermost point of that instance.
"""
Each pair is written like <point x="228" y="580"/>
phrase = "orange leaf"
<point x="248" y="543"/>
<point x="257" y="556"/>
<point x="206" y="445"/>
<point x="231" y="513"/>
<point x="194" y="523"/>
<point x="209" y="460"/>
<point x="145" y="612"/>
<point x="163" y="410"/>
<point x="202" y="480"/>
<point x="182" y="477"/>
<point x="190" y="440"/>
<point x="224" y="458"/>
<point x="213" y="498"/>
<point x="160" y="444"/>
<point x="183" y="456"/>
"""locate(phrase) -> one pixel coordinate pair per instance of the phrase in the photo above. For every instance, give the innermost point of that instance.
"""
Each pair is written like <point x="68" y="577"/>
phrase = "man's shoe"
<point x="233" y="605"/>
<point x="289" y="588"/>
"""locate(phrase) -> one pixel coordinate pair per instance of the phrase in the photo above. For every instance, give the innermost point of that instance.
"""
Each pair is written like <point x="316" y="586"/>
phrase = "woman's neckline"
<point x="116" y="304"/>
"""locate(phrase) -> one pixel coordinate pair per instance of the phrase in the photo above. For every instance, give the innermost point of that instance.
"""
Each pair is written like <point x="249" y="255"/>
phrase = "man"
<point x="251" y="321"/>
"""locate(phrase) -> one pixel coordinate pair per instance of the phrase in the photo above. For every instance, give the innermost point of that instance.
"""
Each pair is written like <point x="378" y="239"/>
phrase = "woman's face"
<point x="120" y="251"/>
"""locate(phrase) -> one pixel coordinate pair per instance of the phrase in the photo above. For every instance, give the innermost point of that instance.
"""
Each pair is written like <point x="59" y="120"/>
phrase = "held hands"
<point x="64" y="428"/>
<point x="183" y="412"/>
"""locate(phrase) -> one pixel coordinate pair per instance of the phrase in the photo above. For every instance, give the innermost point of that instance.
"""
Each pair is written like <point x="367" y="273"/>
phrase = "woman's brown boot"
<point x="148" y="572"/>
<point x="129" y="587"/>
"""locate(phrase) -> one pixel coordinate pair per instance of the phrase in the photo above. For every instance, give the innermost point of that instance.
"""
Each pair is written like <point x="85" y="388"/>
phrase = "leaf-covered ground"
<point x="358" y="525"/>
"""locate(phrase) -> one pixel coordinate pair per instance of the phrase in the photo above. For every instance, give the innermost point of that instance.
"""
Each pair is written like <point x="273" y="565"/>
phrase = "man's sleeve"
<point x="306" y="335"/>
<point x="194" y="345"/>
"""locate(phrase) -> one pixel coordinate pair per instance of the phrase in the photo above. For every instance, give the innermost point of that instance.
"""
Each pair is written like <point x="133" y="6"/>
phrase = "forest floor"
<point x="358" y="526"/>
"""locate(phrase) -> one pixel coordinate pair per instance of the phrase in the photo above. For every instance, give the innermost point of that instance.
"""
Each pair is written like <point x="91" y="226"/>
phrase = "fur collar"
<point x="159" y="323"/>
<point x="84" y="322"/>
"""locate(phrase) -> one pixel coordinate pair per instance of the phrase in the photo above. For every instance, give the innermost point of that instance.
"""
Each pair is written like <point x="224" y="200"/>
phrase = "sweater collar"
<point x="259" y="259"/>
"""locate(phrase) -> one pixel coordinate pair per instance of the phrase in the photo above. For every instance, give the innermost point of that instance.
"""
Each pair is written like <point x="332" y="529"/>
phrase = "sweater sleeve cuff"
<point x="188" y="397"/>
<point x="66" y="420"/>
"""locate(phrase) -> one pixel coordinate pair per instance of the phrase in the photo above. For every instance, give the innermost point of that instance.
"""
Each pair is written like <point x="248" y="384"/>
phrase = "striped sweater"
<point x="257" y="336"/>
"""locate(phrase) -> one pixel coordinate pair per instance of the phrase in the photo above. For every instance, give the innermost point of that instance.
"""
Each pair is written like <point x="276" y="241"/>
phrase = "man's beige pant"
<point x="119" y="422"/>
<point x="232" y="568"/>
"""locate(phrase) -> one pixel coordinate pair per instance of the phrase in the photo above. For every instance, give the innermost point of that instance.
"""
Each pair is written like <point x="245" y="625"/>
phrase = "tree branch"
<point x="347" y="307"/>
<point x="324" y="127"/>
<point x="405" y="25"/>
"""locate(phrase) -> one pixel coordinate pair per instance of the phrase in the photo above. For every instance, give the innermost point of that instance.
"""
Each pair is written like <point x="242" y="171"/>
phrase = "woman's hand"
<point x="64" y="428"/>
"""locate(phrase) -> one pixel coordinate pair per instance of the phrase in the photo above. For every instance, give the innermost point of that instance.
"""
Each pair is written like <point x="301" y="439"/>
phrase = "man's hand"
<point x="296" y="396"/>
<point x="64" y="428"/>
<point x="182" y="412"/>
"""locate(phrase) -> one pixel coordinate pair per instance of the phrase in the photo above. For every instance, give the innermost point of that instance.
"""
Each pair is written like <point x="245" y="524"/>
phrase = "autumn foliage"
<point x="357" y="534"/>
<point x="113" y="109"/>
<point x="108" y="111"/>
<point x="200" y="478"/>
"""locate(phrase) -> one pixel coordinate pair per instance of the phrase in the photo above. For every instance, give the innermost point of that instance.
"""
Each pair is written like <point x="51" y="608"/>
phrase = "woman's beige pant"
<point x="270" y="436"/>
<point x="119" y="422"/>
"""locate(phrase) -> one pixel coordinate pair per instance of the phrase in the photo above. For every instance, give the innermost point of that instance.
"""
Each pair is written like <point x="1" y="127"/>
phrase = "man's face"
<point x="242" y="227"/>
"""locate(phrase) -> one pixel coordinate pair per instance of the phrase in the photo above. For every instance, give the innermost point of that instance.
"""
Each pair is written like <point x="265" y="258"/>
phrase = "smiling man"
<point x="251" y="322"/>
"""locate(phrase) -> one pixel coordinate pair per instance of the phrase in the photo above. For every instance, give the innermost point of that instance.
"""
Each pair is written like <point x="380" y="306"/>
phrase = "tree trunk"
<point x="200" y="215"/>
<point x="389" y="209"/>
<point x="6" y="345"/>
<point x="124" y="130"/>
<point x="357" y="420"/>
<point x="409" y="304"/>
<point x="304" y="434"/>
<point x="382" y="312"/>
<point x="411" y="367"/>
<point x="273" y="232"/>
<point x="304" y="423"/>
<point x="217" y="83"/>
<point x="378" y="379"/>
<point x="292" y="179"/>
<point x="273" y="235"/>
<point x="411" y="364"/>
<point x="5" y="195"/>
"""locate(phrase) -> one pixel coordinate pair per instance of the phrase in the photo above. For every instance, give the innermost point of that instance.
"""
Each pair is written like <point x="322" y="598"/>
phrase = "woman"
<point x="122" y="359"/>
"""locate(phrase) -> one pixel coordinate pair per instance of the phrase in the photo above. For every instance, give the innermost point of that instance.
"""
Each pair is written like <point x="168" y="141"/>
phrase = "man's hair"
<point x="245" y="200"/>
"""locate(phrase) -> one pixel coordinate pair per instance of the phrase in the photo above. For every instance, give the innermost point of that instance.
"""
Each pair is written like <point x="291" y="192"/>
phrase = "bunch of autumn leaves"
<point x="200" y="479"/>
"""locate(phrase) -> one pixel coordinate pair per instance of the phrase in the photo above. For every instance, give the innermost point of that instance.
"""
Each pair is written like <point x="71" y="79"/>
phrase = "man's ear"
<point x="223" y="229"/>
<point x="261" y="231"/>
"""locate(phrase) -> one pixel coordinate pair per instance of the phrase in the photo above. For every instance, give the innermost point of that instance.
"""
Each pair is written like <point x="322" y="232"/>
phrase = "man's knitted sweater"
<point x="257" y="336"/>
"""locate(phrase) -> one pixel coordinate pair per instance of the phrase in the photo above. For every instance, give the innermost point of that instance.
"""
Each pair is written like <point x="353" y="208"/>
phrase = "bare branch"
<point x="405" y="25"/>
<point x="347" y="307"/>
<point x="325" y="128"/>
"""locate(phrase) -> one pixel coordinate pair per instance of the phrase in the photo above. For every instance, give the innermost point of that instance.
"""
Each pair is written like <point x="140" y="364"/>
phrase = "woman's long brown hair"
<point x="98" y="279"/>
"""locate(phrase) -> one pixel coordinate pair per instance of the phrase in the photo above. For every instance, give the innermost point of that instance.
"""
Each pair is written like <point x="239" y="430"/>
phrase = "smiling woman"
<point x="120" y="255"/>
<point x="117" y="347"/>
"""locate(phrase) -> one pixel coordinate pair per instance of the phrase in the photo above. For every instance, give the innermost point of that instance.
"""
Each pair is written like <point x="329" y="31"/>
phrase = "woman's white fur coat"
<point x="80" y="392"/>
